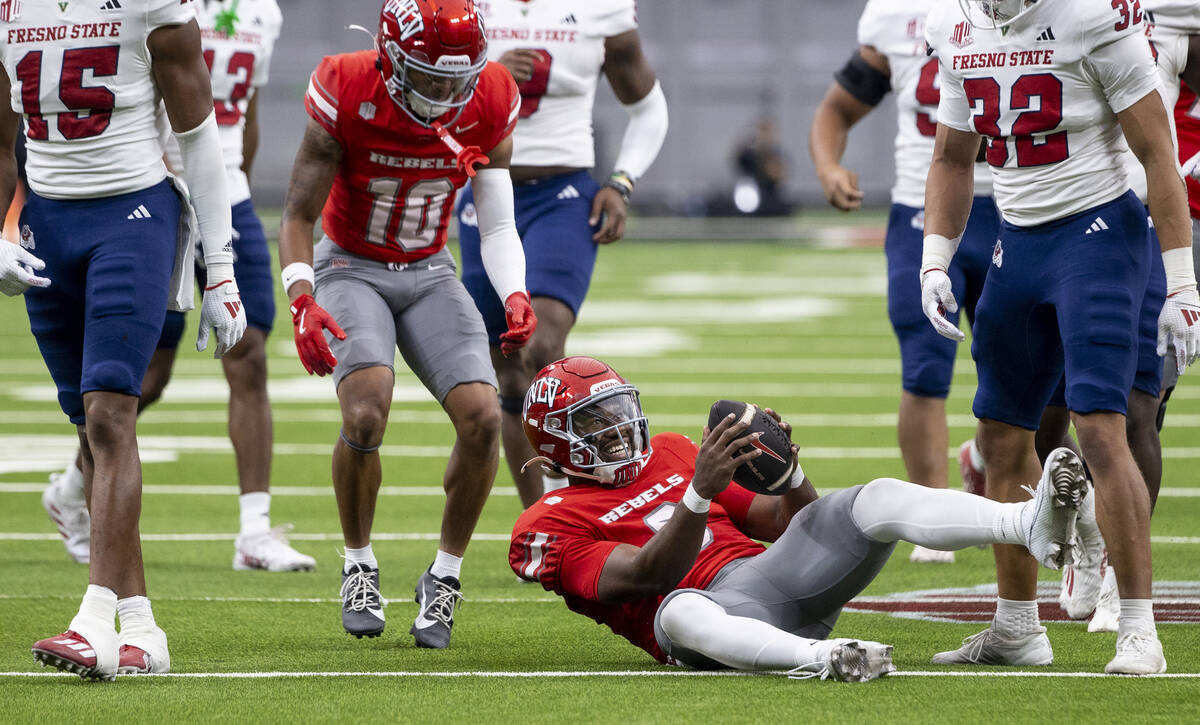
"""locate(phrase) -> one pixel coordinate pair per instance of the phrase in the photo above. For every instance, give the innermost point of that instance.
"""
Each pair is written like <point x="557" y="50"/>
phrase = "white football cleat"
<point x="71" y="517"/>
<point x="847" y="660"/>
<point x="1048" y="520"/>
<point x="1081" y="583"/>
<point x="143" y="652"/>
<point x="1108" y="609"/>
<point x="1138" y="653"/>
<point x="989" y="647"/>
<point x="270" y="551"/>
<point x="921" y="555"/>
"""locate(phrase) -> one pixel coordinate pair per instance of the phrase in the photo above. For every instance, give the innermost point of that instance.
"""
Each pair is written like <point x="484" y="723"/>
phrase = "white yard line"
<point x="563" y="674"/>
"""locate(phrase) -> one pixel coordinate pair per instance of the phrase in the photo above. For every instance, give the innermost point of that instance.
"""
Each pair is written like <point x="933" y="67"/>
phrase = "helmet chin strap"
<point x="606" y="476"/>
<point x="359" y="27"/>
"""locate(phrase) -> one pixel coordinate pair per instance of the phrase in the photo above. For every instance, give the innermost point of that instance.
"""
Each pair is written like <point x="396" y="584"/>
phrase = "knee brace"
<point x="356" y="447"/>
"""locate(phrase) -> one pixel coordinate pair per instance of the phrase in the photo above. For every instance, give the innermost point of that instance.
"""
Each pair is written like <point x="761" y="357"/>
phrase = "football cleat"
<point x="990" y="647"/>
<point x="143" y="652"/>
<point x="436" y="598"/>
<point x="270" y="551"/>
<point x="1048" y="519"/>
<point x="974" y="479"/>
<point x="71" y="517"/>
<point x="1138" y="653"/>
<point x="921" y="555"/>
<point x="362" y="604"/>
<point x="90" y="653"/>
<point x="848" y="660"/>
<point x="1107" y="616"/>
<point x="1081" y="583"/>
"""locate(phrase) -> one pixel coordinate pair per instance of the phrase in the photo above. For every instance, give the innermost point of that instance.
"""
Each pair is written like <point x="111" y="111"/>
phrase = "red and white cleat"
<point x="973" y="477"/>
<point x="144" y="653"/>
<point x="73" y="652"/>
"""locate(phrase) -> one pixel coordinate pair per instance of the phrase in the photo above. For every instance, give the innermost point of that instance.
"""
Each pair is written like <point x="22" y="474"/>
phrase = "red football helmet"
<point x="583" y="419"/>
<point x="430" y="54"/>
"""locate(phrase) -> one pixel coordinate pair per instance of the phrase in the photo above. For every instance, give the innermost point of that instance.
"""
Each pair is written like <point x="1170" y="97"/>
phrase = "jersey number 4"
<point x="1039" y="98"/>
<point x="90" y="106"/>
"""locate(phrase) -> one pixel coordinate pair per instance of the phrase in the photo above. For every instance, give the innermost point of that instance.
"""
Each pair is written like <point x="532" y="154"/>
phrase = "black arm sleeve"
<point x="863" y="80"/>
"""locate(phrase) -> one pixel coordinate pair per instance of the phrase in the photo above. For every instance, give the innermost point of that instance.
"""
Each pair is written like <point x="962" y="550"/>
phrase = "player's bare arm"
<point x="633" y="572"/>
<point x="1191" y="72"/>
<point x="181" y="75"/>
<point x="1148" y="133"/>
<point x="313" y="171"/>
<point x="837" y="113"/>
<point x="10" y="122"/>
<point x="632" y="79"/>
<point x="250" y="135"/>
<point x="951" y="182"/>
<point x="520" y="62"/>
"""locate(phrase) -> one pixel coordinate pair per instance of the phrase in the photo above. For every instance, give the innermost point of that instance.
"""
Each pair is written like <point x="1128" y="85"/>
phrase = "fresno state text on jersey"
<point x="393" y="197"/>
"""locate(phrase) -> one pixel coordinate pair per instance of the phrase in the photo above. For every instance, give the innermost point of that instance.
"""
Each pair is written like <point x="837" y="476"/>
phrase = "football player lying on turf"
<point x="689" y="583"/>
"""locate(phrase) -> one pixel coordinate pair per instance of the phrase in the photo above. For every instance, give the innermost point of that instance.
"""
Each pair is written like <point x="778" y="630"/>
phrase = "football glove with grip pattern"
<point x="518" y="314"/>
<point x="17" y="267"/>
<point x="221" y="311"/>
<point x="1179" y="325"/>
<point x="310" y="321"/>
<point x="936" y="300"/>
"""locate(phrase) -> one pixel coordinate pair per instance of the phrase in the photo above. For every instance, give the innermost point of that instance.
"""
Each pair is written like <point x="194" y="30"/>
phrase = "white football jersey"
<point x="1170" y="47"/>
<point x="80" y="74"/>
<point x="239" y="64"/>
<point x="1046" y="92"/>
<point x="896" y="28"/>
<point x="555" y="126"/>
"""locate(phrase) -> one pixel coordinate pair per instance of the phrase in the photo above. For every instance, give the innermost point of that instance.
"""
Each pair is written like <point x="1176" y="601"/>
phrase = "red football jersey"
<point x="393" y="196"/>
<point x="1187" y="130"/>
<point x="564" y="540"/>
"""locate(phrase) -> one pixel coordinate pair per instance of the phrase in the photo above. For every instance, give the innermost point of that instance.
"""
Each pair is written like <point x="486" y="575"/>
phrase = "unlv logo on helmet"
<point x="543" y="391"/>
<point x="408" y="17"/>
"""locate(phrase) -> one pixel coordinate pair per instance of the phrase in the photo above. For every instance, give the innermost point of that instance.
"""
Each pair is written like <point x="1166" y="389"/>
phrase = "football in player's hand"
<point x="770" y="472"/>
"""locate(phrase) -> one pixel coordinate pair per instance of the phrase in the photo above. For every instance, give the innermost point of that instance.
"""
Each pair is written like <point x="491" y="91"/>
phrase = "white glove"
<point x="1191" y="167"/>
<point x="221" y="309"/>
<point x="937" y="300"/>
<point x="17" y="267"/>
<point x="1179" y="325"/>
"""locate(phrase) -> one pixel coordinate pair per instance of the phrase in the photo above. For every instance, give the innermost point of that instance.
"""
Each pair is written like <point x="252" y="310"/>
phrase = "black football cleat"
<point x="362" y="604"/>
<point x="437" y="599"/>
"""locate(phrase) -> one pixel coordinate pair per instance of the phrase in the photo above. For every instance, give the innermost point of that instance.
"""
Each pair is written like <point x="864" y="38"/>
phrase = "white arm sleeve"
<point x="204" y="171"/>
<point x="499" y="243"/>
<point x="644" y="134"/>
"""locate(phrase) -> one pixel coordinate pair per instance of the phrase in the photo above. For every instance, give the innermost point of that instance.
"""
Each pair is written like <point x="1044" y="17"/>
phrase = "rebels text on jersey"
<point x="238" y="62"/>
<point x="393" y="196"/>
<point x="896" y="28"/>
<point x="556" y="101"/>
<point x="1046" y="93"/>
<point x="81" y="75"/>
<point x="564" y="540"/>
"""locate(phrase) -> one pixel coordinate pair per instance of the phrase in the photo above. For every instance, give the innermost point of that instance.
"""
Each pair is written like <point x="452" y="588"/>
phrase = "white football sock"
<point x="976" y="458"/>
<point x="1016" y="617"/>
<point x="889" y="510"/>
<point x="70" y="484"/>
<point x="99" y="604"/>
<point x="364" y="556"/>
<point x="696" y="622"/>
<point x="134" y="613"/>
<point x="1137" y="615"/>
<point x="255" y="512"/>
<point x="446" y="565"/>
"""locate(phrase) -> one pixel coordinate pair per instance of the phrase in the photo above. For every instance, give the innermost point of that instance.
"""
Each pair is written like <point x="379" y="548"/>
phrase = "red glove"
<point x="311" y="322"/>
<point x="521" y="322"/>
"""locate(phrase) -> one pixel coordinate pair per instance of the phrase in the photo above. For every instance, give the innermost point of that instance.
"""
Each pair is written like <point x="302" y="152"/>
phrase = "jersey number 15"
<point x="90" y="106"/>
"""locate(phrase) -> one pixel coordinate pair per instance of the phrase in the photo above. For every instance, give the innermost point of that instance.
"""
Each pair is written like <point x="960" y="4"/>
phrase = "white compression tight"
<point x="696" y="622"/>
<point x="889" y="510"/>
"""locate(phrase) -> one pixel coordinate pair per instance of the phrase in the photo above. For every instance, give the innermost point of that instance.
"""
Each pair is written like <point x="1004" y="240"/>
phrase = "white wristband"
<point x="797" y="477"/>
<point x="937" y="252"/>
<point x="1181" y="272"/>
<point x="694" y="501"/>
<point x="296" y="272"/>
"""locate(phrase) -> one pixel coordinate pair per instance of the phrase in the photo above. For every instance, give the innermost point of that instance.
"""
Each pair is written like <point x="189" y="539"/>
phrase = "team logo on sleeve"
<point x="960" y="37"/>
